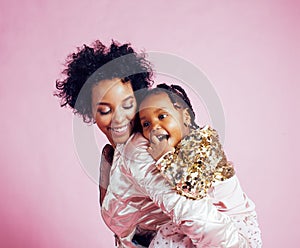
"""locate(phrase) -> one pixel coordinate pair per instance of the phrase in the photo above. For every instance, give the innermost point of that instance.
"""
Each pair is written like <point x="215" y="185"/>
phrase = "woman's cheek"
<point x="131" y="114"/>
<point x="103" y="121"/>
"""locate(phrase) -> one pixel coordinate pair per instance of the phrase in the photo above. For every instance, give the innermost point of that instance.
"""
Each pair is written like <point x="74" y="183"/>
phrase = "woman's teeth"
<point x="119" y="129"/>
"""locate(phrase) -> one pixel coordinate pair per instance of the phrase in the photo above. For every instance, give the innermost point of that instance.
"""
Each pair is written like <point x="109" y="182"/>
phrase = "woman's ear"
<point x="186" y="118"/>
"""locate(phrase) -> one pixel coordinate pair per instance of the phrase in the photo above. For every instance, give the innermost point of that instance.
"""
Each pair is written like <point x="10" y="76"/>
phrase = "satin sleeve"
<point x="229" y="198"/>
<point x="198" y="219"/>
<point x="125" y="207"/>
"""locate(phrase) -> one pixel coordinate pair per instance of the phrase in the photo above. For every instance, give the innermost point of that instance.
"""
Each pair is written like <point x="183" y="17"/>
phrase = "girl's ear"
<point x="177" y="105"/>
<point x="186" y="118"/>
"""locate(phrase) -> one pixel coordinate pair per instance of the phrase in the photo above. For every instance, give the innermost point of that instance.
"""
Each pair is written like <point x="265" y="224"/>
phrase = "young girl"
<point x="193" y="162"/>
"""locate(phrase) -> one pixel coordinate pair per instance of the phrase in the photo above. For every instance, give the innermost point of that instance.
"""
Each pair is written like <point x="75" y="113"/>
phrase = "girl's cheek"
<point x="146" y="135"/>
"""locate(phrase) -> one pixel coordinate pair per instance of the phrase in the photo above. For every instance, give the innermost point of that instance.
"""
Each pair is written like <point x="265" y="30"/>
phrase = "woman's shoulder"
<point x="136" y="146"/>
<point x="136" y="140"/>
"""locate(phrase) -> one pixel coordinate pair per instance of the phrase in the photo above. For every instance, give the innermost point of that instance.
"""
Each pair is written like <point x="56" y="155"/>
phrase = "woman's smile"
<point x="114" y="115"/>
<point x="120" y="130"/>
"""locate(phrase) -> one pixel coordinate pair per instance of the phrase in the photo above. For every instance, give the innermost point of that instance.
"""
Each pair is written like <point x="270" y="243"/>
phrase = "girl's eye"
<point x="162" y="116"/>
<point x="146" y="124"/>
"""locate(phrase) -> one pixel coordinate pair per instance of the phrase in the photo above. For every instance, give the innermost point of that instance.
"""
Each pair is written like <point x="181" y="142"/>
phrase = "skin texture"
<point x="114" y="115"/>
<point x="164" y="123"/>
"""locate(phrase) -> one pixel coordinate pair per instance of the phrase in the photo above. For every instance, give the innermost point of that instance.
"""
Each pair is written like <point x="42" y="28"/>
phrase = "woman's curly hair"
<point x="91" y="64"/>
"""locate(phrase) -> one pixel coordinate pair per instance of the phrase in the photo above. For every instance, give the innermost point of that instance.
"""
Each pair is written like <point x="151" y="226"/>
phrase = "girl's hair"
<point x="177" y="95"/>
<point x="91" y="64"/>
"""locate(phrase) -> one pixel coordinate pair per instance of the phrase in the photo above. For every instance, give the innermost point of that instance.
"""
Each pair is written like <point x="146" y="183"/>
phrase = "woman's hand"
<point x="105" y="166"/>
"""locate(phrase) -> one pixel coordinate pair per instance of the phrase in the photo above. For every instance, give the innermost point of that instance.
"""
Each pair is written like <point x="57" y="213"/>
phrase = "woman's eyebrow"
<point x="107" y="104"/>
<point x="128" y="98"/>
<point x="103" y="103"/>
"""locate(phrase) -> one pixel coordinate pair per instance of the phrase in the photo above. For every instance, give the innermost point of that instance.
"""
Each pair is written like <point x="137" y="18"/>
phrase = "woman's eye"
<point x="162" y="116"/>
<point x="103" y="111"/>
<point x="129" y="106"/>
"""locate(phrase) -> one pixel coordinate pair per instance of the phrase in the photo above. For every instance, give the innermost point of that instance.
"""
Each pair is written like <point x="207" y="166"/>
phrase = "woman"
<point x="82" y="91"/>
<point x="138" y="199"/>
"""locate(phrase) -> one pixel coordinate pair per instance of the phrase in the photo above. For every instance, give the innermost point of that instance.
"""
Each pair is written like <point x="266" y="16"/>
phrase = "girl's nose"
<point x="156" y="126"/>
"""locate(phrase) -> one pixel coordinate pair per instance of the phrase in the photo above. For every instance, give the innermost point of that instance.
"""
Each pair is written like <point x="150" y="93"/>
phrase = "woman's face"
<point x="114" y="109"/>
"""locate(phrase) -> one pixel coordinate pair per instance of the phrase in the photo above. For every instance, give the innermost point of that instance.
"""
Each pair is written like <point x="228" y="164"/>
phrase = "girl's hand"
<point x="158" y="147"/>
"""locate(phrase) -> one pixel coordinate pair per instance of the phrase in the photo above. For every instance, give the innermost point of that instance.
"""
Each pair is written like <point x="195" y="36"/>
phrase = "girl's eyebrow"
<point x="106" y="103"/>
<point x="155" y="111"/>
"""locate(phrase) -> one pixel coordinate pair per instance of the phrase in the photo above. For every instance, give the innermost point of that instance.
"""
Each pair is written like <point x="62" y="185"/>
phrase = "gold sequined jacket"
<point x="197" y="163"/>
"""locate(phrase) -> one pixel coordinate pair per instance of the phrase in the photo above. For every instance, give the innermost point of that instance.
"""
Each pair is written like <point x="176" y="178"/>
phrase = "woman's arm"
<point x="199" y="219"/>
<point x="105" y="166"/>
<point x="230" y="199"/>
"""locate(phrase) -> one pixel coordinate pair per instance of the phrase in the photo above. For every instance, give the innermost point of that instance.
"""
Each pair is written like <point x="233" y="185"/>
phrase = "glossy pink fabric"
<point x="134" y="180"/>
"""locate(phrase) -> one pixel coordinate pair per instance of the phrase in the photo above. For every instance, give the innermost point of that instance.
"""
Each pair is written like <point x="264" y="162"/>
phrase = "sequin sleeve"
<point x="198" y="161"/>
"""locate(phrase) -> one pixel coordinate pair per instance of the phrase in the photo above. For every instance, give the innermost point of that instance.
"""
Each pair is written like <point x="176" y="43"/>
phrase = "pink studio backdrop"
<point x="248" y="49"/>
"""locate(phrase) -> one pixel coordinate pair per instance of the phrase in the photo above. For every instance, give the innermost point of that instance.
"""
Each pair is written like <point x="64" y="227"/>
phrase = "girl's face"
<point x="114" y="108"/>
<point x="160" y="118"/>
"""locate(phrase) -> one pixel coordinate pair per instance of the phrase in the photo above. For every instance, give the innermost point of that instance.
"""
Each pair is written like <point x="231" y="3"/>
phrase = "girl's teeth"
<point x="163" y="136"/>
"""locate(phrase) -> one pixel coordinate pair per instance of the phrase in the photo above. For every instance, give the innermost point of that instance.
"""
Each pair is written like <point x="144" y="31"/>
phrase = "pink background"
<point x="248" y="49"/>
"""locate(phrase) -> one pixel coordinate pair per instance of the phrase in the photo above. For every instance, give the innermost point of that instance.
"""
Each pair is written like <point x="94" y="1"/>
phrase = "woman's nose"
<point x="119" y="116"/>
